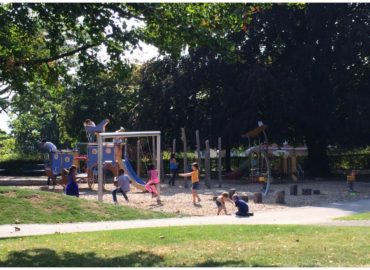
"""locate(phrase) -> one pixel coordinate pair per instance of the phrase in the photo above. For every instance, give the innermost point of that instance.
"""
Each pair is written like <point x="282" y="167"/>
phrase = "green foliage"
<point x="309" y="87"/>
<point x="30" y="206"/>
<point x="98" y="92"/>
<point x="301" y="68"/>
<point x="41" y="46"/>
<point x="7" y="146"/>
<point x="195" y="246"/>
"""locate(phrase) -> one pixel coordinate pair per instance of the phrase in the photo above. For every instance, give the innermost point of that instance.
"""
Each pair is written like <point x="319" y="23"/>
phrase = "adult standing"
<point x="50" y="149"/>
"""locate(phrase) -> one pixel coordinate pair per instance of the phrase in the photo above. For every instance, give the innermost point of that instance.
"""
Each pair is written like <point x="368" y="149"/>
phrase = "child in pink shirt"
<point x="153" y="181"/>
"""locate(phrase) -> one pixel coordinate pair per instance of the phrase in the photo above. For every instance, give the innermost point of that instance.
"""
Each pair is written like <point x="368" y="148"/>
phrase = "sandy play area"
<point x="177" y="199"/>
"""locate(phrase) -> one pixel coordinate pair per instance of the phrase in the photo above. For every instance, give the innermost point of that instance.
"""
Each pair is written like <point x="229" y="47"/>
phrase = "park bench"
<point x="33" y="169"/>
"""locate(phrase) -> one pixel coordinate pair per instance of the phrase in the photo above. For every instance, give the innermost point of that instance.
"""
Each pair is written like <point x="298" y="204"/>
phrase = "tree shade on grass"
<point x="31" y="206"/>
<point x="230" y="245"/>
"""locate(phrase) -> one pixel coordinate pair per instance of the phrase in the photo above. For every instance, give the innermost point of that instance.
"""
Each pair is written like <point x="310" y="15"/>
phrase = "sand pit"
<point x="177" y="199"/>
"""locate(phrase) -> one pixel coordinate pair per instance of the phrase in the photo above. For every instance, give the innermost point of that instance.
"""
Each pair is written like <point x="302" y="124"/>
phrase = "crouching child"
<point x="243" y="209"/>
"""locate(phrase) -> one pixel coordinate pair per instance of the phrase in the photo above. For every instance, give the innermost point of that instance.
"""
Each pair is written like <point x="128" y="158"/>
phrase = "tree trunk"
<point x="318" y="162"/>
<point x="227" y="155"/>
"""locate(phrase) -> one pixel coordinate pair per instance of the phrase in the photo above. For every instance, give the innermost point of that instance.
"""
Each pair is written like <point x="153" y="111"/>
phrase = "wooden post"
<point x="285" y="165"/>
<point x="294" y="190"/>
<point x="174" y="146"/>
<point x="138" y="158"/>
<point x="232" y="192"/>
<point x="294" y="163"/>
<point x="257" y="197"/>
<point x="198" y="148"/>
<point x="219" y="163"/>
<point x="183" y="138"/>
<point x="280" y="197"/>
<point x="207" y="166"/>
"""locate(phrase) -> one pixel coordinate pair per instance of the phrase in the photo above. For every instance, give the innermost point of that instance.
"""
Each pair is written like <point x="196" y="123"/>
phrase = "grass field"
<point x="361" y="216"/>
<point x="233" y="245"/>
<point x="32" y="206"/>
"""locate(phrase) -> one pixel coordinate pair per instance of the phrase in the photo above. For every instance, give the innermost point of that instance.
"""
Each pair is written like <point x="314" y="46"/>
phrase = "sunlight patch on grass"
<point x="228" y="245"/>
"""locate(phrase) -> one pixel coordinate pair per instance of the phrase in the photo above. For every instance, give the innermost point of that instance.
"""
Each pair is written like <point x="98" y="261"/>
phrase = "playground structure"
<point x="288" y="164"/>
<point x="266" y="159"/>
<point x="125" y="164"/>
<point x="260" y="168"/>
<point x="114" y="156"/>
<point x="258" y="165"/>
<point x="101" y="158"/>
<point x="60" y="162"/>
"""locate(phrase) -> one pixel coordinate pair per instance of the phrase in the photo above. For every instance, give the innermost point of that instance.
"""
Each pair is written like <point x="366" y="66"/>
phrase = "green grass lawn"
<point x="32" y="206"/>
<point x="233" y="245"/>
<point x="361" y="216"/>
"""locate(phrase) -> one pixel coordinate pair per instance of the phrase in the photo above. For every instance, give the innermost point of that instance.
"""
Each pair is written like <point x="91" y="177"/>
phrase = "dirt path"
<point x="306" y="215"/>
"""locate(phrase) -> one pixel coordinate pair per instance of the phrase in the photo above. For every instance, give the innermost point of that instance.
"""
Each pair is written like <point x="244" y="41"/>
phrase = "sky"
<point x="146" y="53"/>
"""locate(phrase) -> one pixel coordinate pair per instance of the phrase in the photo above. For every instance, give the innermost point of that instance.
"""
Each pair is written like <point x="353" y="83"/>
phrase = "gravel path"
<point x="307" y="215"/>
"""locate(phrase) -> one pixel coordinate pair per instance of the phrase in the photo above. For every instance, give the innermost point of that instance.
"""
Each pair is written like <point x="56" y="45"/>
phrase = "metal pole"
<point x="198" y="147"/>
<point x="154" y="152"/>
<point x="219" y="163"/>
<point x="138" y="157"/>
<point x="183" y="138"/>
<point x="125" y="144"/>
<point x="100" y="168"/>
<point x="158" y="152"/>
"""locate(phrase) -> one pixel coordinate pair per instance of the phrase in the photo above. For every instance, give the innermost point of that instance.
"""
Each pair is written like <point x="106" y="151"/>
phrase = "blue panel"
<point x="92" y="155"/>
<point x="109" y="154"/>
<point x="56" y="163"/>
<point x="67" y="161"/>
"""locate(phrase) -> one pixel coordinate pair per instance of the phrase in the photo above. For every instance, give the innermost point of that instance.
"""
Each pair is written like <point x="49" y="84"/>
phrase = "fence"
<point x="337" y="163"/>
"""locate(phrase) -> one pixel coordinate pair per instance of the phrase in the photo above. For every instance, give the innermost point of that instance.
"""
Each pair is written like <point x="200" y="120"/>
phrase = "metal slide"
<point x="136" y="181"/>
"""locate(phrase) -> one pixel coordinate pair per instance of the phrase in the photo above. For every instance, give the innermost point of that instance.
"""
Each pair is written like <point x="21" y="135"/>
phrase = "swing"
<point x="153" y="186"/>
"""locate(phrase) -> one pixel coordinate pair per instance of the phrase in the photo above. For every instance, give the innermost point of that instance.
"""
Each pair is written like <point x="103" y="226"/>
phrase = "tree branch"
<point x="48" y="59"/>
<point x="4" y="90"/>
<point x="122" y="12"/>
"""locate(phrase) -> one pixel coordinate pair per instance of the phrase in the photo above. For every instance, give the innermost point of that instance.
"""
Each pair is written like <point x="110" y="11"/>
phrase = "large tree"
<point x="323" y="49"/>
<point x="303" y="69"/>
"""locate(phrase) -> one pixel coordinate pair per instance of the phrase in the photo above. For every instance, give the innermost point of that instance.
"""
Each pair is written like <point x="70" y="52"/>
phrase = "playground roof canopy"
<point x="255" y="132"/>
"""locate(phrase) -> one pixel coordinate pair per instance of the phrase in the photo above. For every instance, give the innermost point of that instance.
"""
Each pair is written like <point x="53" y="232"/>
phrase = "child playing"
<point x="91" y="129"/>
<point x="72" y="187"/>
<point x="153" y="180"/>
<point x="194" y="180"/>
<point x="220" y="202"/>
<point x="243" y="209"/>
<point x="123" y="185"/>
<point x="173" y="169"/>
